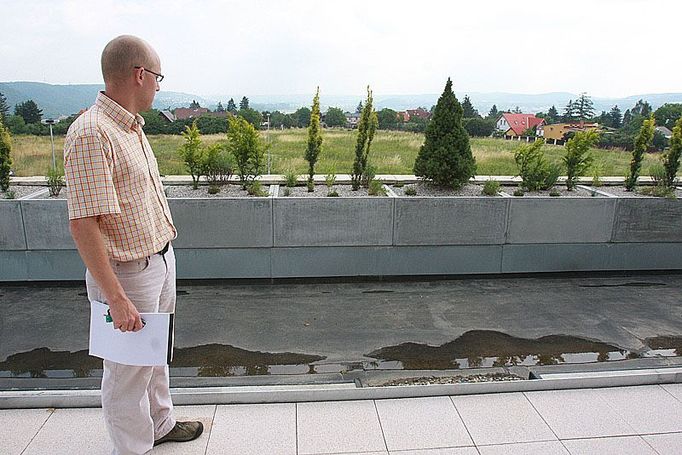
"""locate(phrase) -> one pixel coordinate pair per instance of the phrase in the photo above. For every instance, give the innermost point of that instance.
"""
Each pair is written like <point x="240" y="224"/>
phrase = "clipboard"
<point x="150" y="346"/>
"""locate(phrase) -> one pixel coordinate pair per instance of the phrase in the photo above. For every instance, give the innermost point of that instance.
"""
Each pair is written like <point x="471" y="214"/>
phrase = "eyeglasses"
<point x="159" y="77"/>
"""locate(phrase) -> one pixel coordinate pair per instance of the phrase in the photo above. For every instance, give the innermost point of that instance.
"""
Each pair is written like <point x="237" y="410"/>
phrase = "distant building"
<point x="513" y="125"/>
<point x="664" y="131"/>
<point x="557" y="131"/>
<point x="183" y="113"/>
<point x="352" y="119"/>
<point x="167" y="116"/>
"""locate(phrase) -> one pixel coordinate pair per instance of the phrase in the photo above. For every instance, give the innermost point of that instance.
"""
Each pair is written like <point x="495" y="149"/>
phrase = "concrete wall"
<point x="302" y="237"/>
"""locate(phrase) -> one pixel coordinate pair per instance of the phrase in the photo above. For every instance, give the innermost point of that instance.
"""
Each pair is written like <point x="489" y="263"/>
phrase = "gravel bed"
<point x="428" y="190"/>
<point x="474" y="378"/>
<point x="577" y="192"/>
<point x="61" y="195"/>
<point x="186" y="191"/>
<point x="321" y="191"/>
<point x="620" y="192"/>
<point x="21" y="190"/>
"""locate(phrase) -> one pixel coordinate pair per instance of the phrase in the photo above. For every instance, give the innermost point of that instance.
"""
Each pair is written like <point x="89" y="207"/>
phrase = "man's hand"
<point x="125" y="315"/>
<point x="90" y="244"/>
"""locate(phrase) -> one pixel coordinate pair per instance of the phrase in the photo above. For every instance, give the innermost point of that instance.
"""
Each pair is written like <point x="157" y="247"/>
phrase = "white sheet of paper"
<point x="147" y="347"/>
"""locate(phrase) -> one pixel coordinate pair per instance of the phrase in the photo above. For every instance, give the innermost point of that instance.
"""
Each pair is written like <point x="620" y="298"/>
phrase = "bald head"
<point x="122" y="54"/>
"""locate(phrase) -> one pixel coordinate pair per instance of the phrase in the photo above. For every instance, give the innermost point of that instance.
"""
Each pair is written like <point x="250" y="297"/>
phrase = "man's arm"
<point x="90" y="244"/>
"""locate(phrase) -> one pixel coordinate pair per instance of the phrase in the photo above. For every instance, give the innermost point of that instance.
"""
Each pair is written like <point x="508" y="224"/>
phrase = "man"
<point x="120" y="221"/>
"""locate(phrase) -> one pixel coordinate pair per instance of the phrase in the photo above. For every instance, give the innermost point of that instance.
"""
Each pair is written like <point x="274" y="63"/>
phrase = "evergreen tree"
<point x="552" y="115"/>
<point x="584" y="108"/>
<point x="627" y="118"/>
<point x="314" y="139"/>
<point x="570" y="113"/>
<point x="28" y="110"/>
<point x="642" y="108"/>
<point x="231" y="107"/>
<point x="220" y="107"/>
<point x="493" y="113"/>
<point x="4" y="107"/>
<point x="194" y="105"/>
<point x="468" y="110"/>
<point x="517" y="110"/>
<point x="642" y="144"/>
<point x="366" y="128"/>
<point x="359" y="108"/>
<point x="244" y="103"/>
<point x="192" y="152"/>
<point x="577" y="158"/>
<point x="671" y="157"/>
<point x="615" y="117"/>
<point x="445" y="158"/>
<point x="5" y="158"/>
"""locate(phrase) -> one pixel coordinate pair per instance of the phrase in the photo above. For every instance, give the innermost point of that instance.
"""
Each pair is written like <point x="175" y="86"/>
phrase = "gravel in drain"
<point x="428" y="380"/>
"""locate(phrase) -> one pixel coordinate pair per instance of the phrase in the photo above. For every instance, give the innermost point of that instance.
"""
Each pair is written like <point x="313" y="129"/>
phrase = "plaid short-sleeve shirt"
<point x="111" y="173"/>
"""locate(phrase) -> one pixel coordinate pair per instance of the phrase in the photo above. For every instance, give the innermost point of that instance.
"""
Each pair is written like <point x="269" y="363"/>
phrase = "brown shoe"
<point x="182" y="432"/>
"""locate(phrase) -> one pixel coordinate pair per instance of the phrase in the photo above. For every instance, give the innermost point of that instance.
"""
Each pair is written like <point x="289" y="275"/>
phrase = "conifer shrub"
<point x="445" y="158"/>
<point x="535" y="172"/>
<point x="643" y="142"/>
<point x="491" y="187"/>
<point x="671" y="157"/>
<point x="577" y="158"/>
<point x="5" y="158"/>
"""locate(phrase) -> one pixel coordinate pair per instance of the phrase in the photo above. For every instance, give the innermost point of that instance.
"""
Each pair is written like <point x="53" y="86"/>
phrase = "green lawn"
<point x="392" y="152"/>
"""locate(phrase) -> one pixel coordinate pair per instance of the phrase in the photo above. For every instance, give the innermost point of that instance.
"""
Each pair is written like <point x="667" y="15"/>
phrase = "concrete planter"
<point x="327" y="237"/>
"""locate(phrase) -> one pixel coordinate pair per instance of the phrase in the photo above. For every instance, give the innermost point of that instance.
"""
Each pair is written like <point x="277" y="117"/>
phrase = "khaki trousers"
<point x="136" y="401"/>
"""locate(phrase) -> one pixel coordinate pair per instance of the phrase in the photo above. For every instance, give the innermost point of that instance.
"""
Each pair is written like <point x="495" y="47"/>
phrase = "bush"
<point x="287" y="191"/>
<point x="217" y="166"/>
<point x="332" y="193"/>
<point x="596" y="175"/>
<point x="290" y="178"/>
<point x="310" y="185"/>
<point x="671" y="158"/>
<point x="9" y="194"/>
<point x="366" y="128"/>
<point x="642" y="144"/>
<point x="577" y="158"/>
<point x="535" y="172"/>
<point x="213" y="188"/>
<point x="555" y="193"/>
<point x="446" y="158"/>
<point x="247" y="148"/>
<point x="518" y="192"/>
<point x="376" y="188"/>
<point x="479" y="127"/>
<point x="411" y="191"/>
<point x="491" y="187"/>
<point x="5" y="157"/>
<point x="192" y="153"/>
<point x="55" y="181"/>
<point x="255" y="188"/>
<point x="330" y="179"/>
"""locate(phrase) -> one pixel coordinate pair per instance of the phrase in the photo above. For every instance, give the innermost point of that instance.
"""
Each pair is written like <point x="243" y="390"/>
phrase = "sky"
<point x="607" y="48"/>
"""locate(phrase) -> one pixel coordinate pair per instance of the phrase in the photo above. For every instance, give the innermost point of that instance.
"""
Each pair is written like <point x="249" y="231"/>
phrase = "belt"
<point x="164" y="250"/>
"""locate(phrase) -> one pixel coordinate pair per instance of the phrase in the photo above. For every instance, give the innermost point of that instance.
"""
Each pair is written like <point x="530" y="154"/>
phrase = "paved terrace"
<point x="628" y="420"/>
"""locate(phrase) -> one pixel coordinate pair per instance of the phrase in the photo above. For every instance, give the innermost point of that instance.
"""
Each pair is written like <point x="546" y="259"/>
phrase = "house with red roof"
<point x="513" y="125"/>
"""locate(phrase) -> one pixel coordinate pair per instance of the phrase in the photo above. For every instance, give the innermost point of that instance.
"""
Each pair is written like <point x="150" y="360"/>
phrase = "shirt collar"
<point x="117" y="113"/>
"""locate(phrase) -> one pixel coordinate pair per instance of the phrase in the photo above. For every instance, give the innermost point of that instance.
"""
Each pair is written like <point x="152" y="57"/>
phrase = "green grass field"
<point x="392" y="152"/>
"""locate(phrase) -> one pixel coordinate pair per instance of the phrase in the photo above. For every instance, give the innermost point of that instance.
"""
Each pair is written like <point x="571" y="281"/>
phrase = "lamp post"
<point x="268" y="140"/>
<point x="54" y="161"/>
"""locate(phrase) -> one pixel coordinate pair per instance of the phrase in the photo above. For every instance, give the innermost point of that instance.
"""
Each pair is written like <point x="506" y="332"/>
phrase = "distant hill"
<point x="56" y="100"/>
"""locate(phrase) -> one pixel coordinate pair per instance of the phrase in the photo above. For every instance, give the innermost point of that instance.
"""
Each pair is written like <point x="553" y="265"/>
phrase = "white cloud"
<point x="605" y="47"/>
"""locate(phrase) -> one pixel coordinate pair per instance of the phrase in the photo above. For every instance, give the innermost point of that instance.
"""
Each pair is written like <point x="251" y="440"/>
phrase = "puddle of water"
<point x="636" y="284"/>
<point x="482" y="348"/>
<point x="474" y="349"/>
